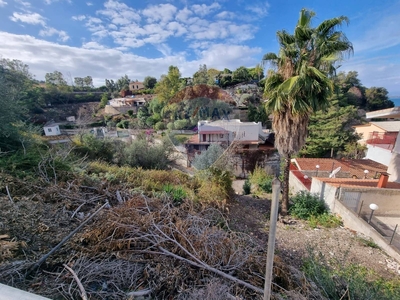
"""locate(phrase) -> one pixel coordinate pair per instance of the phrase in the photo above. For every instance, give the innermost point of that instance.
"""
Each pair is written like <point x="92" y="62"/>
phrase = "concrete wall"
<point x="51" y="130"/>
<point x="325" y="191"/>
<point x="379" y="154"/>
<point x="10" y="293"/>
<point x="366" y="130"/>
<point x="351" y="221"/>
<point x="119" y="110"/>
<point x="295" y="185"/>
<point x="388" y="201"/>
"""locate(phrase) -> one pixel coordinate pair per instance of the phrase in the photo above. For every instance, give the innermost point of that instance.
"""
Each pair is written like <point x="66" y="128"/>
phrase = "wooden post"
<point x="276" y="188"/>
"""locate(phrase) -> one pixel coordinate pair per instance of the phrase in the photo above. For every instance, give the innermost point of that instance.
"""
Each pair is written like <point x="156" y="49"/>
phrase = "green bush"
<point x="261" y="181"/>
<point x="159" y="126"/>
<point x="306" y="205"/>
<point x="325" y="220"/>
<point x="177" y="194"/>
<point x="246" y="187"/>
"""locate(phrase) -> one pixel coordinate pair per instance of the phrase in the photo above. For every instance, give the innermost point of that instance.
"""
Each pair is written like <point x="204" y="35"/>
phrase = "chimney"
<point x="383" y="180"/>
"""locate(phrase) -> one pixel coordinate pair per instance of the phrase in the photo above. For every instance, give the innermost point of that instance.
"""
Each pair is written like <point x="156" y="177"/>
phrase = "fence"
<point x="385" y="224"/>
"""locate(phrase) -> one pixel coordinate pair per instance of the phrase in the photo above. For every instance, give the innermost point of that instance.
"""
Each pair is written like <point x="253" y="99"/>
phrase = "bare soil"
<point x="295" y="238"/>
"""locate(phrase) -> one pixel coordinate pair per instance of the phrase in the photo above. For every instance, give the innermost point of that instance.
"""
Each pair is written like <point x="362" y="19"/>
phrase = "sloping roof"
<point x="389" y="126"/>
<point x="393" y="112"/>
<point x="207" y="129"/>
<point x="352" y="166"/>
<point x="50" y="124"/>
<point x="350" y="182"/>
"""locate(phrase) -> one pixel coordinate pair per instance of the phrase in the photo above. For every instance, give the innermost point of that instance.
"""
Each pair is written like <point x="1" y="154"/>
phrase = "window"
<point x="48" y="129"/>
<point x="221" y="135"/>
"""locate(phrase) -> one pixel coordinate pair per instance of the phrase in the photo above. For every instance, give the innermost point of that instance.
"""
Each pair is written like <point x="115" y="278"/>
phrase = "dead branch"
<point x="78" y="282"/>
<point x="211" y="269"/>
<point x="9" y="195"/>
<point x="44" y="257"/>
<point x="139" y="293"/>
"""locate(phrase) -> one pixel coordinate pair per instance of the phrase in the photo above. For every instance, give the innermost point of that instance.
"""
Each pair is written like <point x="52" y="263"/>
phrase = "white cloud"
<point x="226" y="15"/>
<point x="260" y="9"/>
<point x="48" y="2"/>
<point x="43" y="57"/>
<point x="384" y="34"/>
<point x="29" y="18"/>
<point x="379" y="71"/>
<point x="183" y="15"/>
<point x="203" y="9"/>
<point x="3" y="3"/>
<point x="93" y="45"/>
<point x="23" y="3"/>
<point x="119" y="13"/>
<point x="89" y="3"/>
<point x="160" y="13"/>
<point x="50" y="31"/>
<point x="79" y="18"/>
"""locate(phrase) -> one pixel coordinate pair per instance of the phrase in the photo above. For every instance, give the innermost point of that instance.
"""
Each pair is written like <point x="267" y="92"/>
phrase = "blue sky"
<point x="108" y="39"/>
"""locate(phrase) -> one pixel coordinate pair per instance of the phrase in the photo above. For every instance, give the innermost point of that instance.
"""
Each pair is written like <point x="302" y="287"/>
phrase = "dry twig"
<point x="78" y="282"/>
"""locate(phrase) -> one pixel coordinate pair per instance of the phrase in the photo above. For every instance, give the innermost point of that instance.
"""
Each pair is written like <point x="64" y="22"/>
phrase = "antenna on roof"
<point x="334" y="172"/>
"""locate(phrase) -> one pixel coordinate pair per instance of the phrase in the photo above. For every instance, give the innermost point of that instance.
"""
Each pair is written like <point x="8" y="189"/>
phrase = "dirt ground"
<point x="295" y="237"/>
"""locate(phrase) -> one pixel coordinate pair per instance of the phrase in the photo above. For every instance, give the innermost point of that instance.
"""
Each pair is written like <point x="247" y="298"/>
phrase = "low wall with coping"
<point x="388" y="201"/>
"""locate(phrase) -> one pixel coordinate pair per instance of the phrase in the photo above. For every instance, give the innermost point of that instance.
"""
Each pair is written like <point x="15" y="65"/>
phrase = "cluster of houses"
<point x="353" y="188"/>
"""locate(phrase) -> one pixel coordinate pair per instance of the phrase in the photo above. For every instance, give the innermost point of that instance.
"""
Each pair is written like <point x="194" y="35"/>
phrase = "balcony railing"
<point x="383" y="140"/>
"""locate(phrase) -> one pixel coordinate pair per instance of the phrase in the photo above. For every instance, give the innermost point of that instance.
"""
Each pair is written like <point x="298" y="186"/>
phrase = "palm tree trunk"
<point x="285" y="195"/>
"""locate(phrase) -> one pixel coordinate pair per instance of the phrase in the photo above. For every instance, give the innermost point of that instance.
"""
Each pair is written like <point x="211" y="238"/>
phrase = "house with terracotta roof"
<point x="303" y="170"/>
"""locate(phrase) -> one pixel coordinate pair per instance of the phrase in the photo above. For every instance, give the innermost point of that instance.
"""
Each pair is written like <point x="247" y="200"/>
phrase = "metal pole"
<point x="394" y="232"/>
<point x="276" y="187"/>
<point x="370" y="216"/>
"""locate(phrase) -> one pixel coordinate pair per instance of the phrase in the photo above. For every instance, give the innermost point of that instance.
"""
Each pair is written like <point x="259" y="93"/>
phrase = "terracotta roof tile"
<point x="354" y="167"/>
<point x="350" y="182"/>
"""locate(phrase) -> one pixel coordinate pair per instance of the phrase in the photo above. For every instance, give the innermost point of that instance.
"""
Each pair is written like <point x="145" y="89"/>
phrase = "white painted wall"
<point x="51" y="130"/>
<point x="379" y="154"/>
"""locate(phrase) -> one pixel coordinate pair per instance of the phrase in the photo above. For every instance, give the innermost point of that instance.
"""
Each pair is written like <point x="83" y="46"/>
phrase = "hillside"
<point x="154" y="240"/>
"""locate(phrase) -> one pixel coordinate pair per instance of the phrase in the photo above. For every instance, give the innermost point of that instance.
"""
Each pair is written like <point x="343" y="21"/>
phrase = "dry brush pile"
<point x="140" y="243"/>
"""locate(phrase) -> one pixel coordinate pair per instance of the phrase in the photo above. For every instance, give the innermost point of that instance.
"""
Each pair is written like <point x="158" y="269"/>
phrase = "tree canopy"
<point x="299" y="83"/>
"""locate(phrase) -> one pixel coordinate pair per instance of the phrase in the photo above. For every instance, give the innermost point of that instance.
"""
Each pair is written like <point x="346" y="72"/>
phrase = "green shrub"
<point x="261" y="181"/>
<point x="325" y="220"/>
<point x="306" y="205"/>
<point x="159" y="126"/>
<point x="177" y="194"/>
<point x="338" y="279"/>
<point x="246" y="187"/>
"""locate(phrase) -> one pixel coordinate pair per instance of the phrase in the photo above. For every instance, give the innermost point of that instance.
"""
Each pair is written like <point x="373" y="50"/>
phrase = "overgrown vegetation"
<point x="343" y="280"/>
<point x="304" y="205"/>
<point x="260" y="181"/>
<point x="309" y="207"/>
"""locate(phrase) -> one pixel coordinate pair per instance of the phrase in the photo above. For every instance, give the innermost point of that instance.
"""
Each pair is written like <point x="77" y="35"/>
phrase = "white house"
<point x="394" y="162"/>
<point x="51" y="128"/>
<point x="229" y="131"/>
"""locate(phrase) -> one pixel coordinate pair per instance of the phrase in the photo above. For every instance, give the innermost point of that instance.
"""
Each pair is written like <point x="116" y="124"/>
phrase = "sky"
<point x="108" y="39"/>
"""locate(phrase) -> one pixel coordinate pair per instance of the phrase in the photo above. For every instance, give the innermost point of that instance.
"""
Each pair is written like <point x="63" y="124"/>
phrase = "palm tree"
<point x="300" y="84"/>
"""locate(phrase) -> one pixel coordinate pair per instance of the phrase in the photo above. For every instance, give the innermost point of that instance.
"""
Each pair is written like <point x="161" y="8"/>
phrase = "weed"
<point x="367" y="243"/>
<point x="325" y="220"/>
<point x="339" y="280"/>
<point x="246" y="187"/>
<point x="306" y="205"/>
